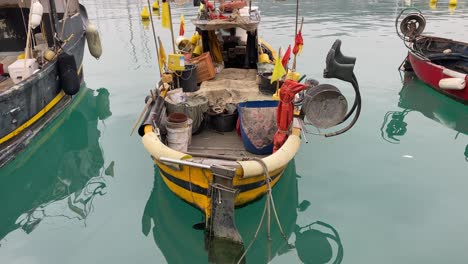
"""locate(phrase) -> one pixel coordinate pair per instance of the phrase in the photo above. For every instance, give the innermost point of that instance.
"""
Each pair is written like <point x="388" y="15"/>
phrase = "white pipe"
<point x="275" y="161"/>
<point x="250" y="168"/>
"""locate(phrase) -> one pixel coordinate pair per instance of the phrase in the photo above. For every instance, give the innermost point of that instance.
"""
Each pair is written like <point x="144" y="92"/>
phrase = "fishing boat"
<point x="41" y="54"/>
<point x="439" y="62"/>
<point x="316" y="242"/>
<point x="221" y="142"/>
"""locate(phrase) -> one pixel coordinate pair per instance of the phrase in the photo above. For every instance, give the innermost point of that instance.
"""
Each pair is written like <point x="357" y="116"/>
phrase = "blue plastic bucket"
<point x="248" y="145"/>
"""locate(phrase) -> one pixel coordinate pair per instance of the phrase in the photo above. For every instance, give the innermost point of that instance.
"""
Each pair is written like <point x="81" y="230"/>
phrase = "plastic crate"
<point x="205" y="67"/>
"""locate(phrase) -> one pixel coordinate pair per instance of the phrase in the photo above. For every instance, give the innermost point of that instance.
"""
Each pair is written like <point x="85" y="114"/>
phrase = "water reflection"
<point x="171" y="221"/>
<point x="60" y="174"/>
<point x="416" y="96"/>
<point x="313" y="243"/>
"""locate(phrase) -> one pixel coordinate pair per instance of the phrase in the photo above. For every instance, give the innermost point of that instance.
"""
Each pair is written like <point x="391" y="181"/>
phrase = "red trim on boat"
<point x="431" y="74"/>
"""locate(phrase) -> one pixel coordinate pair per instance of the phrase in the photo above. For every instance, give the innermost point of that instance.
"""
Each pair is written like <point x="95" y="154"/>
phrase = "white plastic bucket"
<point x="176" y="96"/>
<point x="179" y="137"/>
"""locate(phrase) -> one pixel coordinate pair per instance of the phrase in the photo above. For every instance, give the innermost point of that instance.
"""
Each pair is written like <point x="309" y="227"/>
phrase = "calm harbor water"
<point x="392" y="190"/>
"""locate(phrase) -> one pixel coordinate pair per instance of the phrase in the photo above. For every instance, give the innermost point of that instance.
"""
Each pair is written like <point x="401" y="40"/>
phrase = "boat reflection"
<point x="60" y="174"/>
<point x="172" y="225"/>
<point x="416" y="96"/>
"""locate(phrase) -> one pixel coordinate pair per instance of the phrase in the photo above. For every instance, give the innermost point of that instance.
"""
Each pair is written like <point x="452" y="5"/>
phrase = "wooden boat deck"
<point x="4" y="85"/>
<point x="225" y="144"/>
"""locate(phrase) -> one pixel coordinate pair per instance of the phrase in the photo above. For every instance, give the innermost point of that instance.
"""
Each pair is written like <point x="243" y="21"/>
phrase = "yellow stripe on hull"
<point x="192" y="184"/>
<point x="37" y="116"/>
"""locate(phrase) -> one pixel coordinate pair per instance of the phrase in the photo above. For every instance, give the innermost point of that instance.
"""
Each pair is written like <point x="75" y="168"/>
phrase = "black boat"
<point x="41" y="54"/>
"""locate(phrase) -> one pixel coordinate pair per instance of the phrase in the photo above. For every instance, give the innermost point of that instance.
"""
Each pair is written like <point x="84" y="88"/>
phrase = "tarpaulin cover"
<point x="231" y="22"/>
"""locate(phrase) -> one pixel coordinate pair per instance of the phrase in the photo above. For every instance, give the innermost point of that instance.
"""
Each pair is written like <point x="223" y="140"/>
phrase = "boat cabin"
<point x="14" y="21"/>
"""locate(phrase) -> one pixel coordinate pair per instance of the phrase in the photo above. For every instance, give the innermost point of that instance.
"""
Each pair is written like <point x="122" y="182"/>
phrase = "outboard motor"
<point x="324" y="106"/>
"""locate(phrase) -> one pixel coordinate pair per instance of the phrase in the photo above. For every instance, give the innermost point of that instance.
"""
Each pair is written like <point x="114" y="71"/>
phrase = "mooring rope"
<point x="266" y="209"/>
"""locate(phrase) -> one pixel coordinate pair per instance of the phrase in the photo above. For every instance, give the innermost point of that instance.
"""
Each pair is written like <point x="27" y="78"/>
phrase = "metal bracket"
<point x="223" y="196"/>
<point x="223" y="172"/>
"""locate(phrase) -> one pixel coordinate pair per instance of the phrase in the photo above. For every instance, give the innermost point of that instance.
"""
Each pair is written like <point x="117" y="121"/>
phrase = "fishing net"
<point x="231" y="86"/>
<point x="259" y="125"/>
<point x="194" y="107"/>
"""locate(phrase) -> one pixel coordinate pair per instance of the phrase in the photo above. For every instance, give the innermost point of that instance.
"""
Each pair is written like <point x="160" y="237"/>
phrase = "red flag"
<point x="182" y="26"/>
<point x="298" y="43"/>
<point x="286" y="57"/>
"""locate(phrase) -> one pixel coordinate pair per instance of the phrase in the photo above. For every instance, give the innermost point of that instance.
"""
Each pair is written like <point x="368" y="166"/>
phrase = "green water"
<point x="392" y="190"/>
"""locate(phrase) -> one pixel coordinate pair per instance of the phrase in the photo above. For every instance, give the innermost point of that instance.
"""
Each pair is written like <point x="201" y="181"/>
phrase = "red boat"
<point x="441" y="63"/>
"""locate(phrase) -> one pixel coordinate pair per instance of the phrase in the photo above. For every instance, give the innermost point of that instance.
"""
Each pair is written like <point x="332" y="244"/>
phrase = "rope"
<point x="65" y="18"/>
<point x="266" y="209"/>
<point x="255" y="236"/>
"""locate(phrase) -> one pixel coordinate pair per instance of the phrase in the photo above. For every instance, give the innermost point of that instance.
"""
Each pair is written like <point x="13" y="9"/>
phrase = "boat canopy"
<point x="245" y="23"/>
<point x="73" y="5"/>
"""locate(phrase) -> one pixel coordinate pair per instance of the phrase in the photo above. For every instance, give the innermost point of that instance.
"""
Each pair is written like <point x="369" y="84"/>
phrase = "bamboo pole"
<point x="297" y="16"/>
<point x="154" y="37"/>
<point x="27" y="50"/>
<point x="145" y="109"/>
<point x="295" y="55"/>
<point x="172" y="28"/>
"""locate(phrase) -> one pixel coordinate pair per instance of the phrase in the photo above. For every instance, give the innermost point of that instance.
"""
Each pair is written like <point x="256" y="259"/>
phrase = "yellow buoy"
<point x="197" y="51"/>
<point x="195" y="38"/>
<point x="433" y="4"/>
<point x="145" y="13"/>
<point x="49" y="55"/>
<point x="20" y="57"/>
<point x="263" y="58"/>
<point x="155" y="5"/>
<point x="453" y="2"/>
<point x="292" y="75"/>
